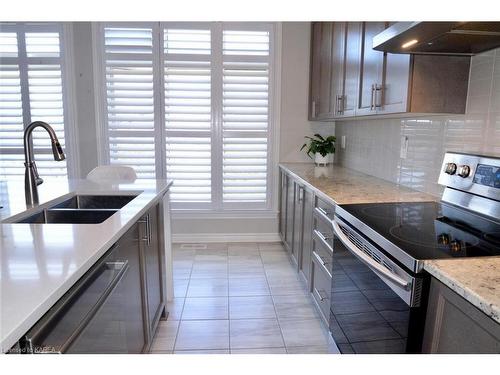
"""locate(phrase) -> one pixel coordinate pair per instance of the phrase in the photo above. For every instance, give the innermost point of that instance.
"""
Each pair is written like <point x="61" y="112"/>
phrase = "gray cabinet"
<point x="351" y="69"/>
<point x="127" y="248"/>
<point x="296" y="222"/>
<point x="151" y="264"/>
<point x="349" y="78"/>
<point x="282" y="205"/>
<point x="321" y="71"/>
<point x="298" y="211"/>
<point x="453" y="325"/>
<point x="307" y="228"/>
<point x="370" y="70"/>
<point x="337" y="68"/>
<point x="290" y="204"/>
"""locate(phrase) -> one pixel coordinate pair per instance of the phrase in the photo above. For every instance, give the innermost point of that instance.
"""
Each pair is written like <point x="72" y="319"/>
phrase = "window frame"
<point x="216" y="207"/>
<point x="66" y="60"/>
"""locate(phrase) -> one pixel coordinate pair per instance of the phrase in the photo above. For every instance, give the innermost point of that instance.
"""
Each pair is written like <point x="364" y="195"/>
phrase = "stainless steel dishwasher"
<point x="90" y="318"/>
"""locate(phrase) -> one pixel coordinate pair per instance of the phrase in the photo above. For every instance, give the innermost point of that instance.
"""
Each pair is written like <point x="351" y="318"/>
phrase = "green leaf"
<point x="319" y="136"/>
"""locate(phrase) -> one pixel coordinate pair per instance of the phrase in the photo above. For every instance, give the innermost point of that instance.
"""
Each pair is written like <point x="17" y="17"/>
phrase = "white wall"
<point x="295" y="93"/>
<point x="84" y="96"/>
<point x="373" y="145"/>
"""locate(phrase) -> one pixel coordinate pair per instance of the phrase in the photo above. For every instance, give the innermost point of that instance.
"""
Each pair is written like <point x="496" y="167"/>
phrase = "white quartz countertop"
<point x="40" y="262"/>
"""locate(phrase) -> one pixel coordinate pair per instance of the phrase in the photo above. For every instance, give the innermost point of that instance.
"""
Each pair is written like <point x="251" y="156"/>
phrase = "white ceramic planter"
<point x="323" y="160"/>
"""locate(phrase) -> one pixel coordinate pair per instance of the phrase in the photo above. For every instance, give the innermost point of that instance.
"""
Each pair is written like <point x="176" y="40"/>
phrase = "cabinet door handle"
<point x="372" y="98"/>
<point x="145" y="220"/>
<point x="301" y="193"/>
<point x="313" y="109"/>
<point x="378" y="90"/>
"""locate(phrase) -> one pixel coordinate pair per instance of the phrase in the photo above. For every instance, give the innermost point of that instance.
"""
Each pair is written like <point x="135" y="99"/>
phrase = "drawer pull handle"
<point x="323" y="263"/>
<point x="322" y="295"/>
<point x="323" y="214"/>
<point x="323" y="211"/>
<point x="324" y="240"/>
<point x="321" y="259"/>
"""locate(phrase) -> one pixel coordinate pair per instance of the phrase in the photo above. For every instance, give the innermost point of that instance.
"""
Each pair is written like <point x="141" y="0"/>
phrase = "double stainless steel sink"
<point x="80" y="209"/>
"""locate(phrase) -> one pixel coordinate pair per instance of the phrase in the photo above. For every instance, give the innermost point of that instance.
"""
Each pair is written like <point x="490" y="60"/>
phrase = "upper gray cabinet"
<point x="321" y="71"/>
<point x="370" y="70"/>
<point x="345" y="68"/>
<point x="349" y="78"/>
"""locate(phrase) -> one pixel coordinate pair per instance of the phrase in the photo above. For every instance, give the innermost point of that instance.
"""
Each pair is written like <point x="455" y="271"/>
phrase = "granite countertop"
<point x="40" y="262"/>
<point x="343" y="186"/>
<point x="475" y="279"/>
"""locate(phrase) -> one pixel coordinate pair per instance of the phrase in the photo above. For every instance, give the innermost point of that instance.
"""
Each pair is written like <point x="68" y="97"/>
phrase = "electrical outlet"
<point x="342" y="141"/>
<point x="404" y="147"/>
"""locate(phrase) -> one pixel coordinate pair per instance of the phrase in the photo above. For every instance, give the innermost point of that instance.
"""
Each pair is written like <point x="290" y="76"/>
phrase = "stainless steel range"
<point x="379" y="288"/>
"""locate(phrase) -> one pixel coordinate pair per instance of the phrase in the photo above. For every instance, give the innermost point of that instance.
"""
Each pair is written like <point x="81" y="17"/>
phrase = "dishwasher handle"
<point x="122" y="266"/>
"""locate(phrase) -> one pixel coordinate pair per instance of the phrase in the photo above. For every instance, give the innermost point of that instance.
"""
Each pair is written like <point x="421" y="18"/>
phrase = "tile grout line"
<point x="272" y="299"/>
<point x="183" y="304"/>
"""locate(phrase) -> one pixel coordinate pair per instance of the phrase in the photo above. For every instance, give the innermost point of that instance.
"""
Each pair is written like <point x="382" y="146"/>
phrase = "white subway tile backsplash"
<point x="373" y="145"/>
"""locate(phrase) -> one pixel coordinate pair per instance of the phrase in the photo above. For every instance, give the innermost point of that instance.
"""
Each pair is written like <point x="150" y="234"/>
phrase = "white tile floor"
<point x="240" y="299"/>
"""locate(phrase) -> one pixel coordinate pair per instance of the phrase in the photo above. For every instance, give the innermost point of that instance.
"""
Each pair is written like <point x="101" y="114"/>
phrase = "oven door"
<point x="376" y="305"/>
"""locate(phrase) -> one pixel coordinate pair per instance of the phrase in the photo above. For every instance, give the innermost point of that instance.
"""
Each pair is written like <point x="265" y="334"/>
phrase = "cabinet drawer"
<point x="321" y="288"/>
<point x="323" y="209"/>
<point x="323" y="256"/>
<point x="323" y="232"/>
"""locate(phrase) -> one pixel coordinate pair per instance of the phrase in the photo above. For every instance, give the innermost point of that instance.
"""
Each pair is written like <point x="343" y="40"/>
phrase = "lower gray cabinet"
<point x="298" y="210"/>
<point x="127" y="248"/>
<point x="453" y="325"/>
<point x="307" y="229"/>
<point x="296" y="222"/>
<point x="282" y="205"/>
<point x="151" y="265"/>
<point x="290" y="200"/>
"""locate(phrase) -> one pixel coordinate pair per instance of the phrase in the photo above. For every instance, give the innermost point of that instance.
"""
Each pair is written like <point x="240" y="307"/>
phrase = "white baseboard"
<point x="225" y="237"/>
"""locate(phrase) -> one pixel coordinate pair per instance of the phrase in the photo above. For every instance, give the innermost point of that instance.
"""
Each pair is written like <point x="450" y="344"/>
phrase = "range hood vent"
<point x="444" y="38"/>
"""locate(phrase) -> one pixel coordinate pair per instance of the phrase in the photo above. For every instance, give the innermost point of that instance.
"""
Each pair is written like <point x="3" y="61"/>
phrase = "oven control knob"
<point x="443" y="239"/>
<point x="450" y="168"/>
<point x="455" y="246"/>
<point x="463" y="171"/>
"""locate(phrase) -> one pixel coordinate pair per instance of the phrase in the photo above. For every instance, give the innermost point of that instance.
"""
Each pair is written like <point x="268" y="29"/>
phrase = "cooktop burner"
<point x="429" y="230"/>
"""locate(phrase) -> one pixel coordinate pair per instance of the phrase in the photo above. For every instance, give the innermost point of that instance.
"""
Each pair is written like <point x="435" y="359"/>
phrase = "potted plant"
<point x="322" y="148"/>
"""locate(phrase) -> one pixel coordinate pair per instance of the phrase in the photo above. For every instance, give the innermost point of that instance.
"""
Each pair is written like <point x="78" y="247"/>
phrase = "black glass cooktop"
<point x="426" y="230"/>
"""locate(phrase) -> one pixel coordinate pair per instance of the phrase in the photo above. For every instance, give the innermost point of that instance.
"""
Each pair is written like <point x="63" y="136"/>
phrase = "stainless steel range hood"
<point x="446" y="38"/>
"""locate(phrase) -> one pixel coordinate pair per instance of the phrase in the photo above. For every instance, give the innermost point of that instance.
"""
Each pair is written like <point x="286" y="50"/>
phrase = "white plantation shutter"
<point x="188" y="120"/>
<point x="129" y="94"/>
<point x="245" y="123"/>
<point x="31" y="89"/>
<point x="210" y="131"/>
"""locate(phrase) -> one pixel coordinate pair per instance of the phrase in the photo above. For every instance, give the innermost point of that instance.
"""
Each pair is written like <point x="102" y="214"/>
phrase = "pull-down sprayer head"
<point x="32" y="179"/>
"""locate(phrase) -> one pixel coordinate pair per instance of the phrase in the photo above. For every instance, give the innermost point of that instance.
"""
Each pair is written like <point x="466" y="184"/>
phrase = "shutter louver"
<point x="245" y="119"/>
<point x="130" y="98"/>
<point x="11" y="123"/>
<point x="42" y="66"/>
<point x="188" y="118"/>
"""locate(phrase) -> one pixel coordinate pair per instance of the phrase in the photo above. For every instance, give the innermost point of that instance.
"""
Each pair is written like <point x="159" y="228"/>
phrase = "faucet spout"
<point x="31" y="177"/>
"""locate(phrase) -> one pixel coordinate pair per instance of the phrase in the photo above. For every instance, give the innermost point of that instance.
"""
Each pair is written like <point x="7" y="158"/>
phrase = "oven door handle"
<point x="375" y="266"/>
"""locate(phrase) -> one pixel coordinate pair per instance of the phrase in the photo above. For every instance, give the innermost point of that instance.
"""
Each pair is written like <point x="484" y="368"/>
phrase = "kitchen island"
<point x="41" y="262"/>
